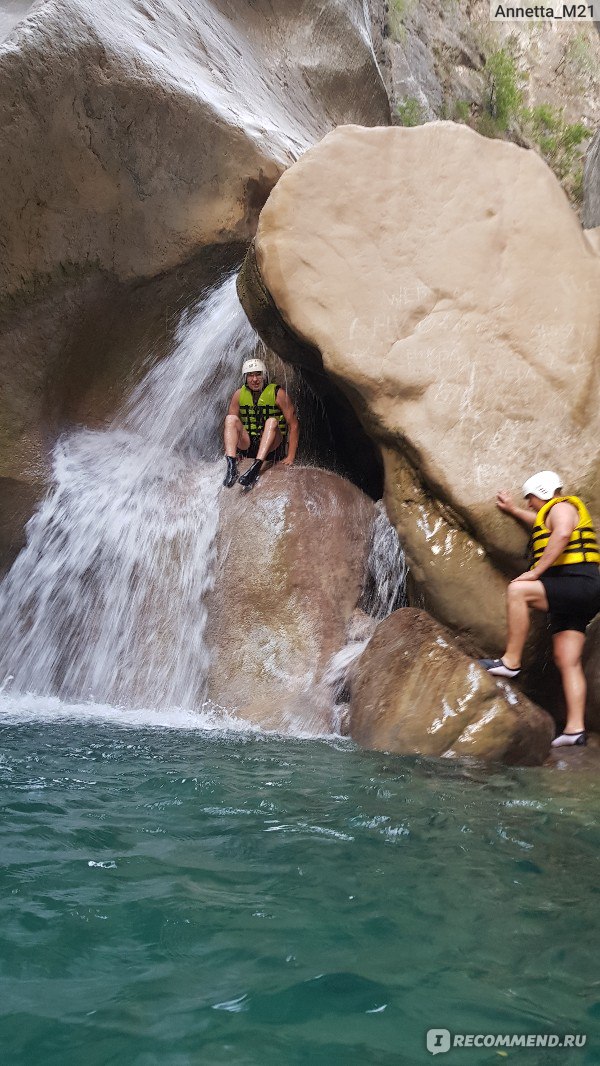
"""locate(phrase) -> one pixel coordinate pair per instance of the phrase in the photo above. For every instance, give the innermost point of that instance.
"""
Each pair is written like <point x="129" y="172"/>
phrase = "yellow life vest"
<point x="582" y="546"/>
<point x="253" y="416"/>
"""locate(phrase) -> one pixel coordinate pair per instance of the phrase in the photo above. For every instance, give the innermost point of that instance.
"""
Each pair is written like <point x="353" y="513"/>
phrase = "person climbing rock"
<point x="260" y="424"/>
<point x="564" y="580"/>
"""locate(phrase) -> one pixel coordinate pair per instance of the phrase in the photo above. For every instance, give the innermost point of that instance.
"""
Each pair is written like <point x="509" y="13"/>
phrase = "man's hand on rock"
<point x="286" y="462"/>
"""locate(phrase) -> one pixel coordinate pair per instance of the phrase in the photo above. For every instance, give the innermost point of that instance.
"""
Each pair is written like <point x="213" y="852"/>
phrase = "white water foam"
<point x="106" y="602"/>
<point x="22" y="708"/>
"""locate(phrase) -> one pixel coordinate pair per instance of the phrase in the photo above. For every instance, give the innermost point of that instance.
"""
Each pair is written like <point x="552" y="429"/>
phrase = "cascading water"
<point x="105" y="603"/>
<point x="386" y="584"/>
<point x="385" y="590"/>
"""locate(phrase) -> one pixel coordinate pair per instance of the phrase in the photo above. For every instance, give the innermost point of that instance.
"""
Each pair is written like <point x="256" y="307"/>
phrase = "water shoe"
<point x="248" y="479"/>
<point x="232" y="472"/>
<point x="570" y="740"/>
<point x="499" y="668"/>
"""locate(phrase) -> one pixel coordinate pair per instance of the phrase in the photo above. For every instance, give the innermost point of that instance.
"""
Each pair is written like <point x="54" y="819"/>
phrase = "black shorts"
<point x="573" y="595"/>
<point x="275" y="456"/>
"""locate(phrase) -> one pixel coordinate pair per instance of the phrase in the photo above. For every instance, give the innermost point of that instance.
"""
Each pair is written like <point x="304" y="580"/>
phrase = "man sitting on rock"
<point x="260" y="423"/>
<point x="564" y="579"/>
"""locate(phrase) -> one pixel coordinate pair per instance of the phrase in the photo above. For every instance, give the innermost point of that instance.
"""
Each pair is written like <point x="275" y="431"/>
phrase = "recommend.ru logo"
<point x="442" y="1040"/>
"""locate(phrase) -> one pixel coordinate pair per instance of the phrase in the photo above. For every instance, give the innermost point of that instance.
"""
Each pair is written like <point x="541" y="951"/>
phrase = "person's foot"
<point x="232" y="472"/>
<point x="248" y="479"/>
<point x="570" y="740"/>
<point x="499" y="668"/>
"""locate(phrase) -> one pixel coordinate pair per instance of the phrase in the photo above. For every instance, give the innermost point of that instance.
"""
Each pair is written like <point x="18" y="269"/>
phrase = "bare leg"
<point x="235" y="436"/>
<point x="520" y="596"/>
<point x="568" y="647"/>
<point x="271" y="438"/>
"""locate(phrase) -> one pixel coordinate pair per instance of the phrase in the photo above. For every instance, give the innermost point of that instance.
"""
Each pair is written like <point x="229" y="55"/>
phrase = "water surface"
<point x="180" y="896"/>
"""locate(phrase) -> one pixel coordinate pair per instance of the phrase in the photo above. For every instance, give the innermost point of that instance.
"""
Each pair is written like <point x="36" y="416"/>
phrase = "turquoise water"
<point x="176" y="897"/>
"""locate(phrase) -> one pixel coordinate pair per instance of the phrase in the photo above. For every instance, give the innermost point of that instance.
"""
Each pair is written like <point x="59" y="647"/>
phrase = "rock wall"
<point x="434" y="52"/>
<point x="138" y="143"/>
<point x="435" y="55"/>
<point x="451" y="294"/>
<point x="591" y="178"/>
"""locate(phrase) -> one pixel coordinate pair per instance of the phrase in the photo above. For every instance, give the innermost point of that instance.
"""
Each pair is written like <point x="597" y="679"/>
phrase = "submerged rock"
<point x="414" y="692"/>
<point x="443" y="283"/>
<point x="291" y="564"/>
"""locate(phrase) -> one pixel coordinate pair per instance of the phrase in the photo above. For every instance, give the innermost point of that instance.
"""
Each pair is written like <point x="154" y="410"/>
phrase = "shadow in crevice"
<point x="331" y="434"/>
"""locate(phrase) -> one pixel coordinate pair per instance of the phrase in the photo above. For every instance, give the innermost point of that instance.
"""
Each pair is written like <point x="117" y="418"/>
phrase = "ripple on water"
<point x="182" y="897"/>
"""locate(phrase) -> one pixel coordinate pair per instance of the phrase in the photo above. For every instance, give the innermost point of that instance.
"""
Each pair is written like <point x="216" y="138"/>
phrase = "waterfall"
<point x="105" y="603"/>
<point x="385" y="591"/>
<point x="387" y="570"/>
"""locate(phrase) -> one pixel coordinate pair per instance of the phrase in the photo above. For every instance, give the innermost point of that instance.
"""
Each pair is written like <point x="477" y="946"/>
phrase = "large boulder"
<point x="138" y="142"/>
<point x="291" y="564"/>
<point x="442" y="282"/>
<point x="414" y="692"/>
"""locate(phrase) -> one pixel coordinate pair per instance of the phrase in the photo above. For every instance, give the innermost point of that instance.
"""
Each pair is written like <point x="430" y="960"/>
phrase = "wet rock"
<point x="291" y="560"/>
<point x="414" y="692"/>
<point x="450" y="293"/>
<point x="584" y="761"/>
<point x="138" y="143"/>
<point x="591" y="666"/>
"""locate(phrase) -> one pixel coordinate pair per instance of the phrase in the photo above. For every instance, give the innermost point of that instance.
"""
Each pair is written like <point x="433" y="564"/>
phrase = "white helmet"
<point x="254" y="366"/>
<point x="543" y="485"/>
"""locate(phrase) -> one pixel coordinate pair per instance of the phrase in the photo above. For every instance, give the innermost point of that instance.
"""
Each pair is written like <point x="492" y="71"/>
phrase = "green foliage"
<point x="486" y="125"/>
<point x="560" y="144"/>
<point x="397" y="12"/>
<point x="574" y="187"/>
<point x="503" y="96"/>
<point x="579" y="60"/>
<point x="410" y="112"/>
<point x="461" y="111"/>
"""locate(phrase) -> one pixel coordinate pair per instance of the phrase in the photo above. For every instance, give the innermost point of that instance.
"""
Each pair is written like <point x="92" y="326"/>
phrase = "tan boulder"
<point x="444" y="284"/>
<point x="138" y="142"/>
<point x="291" y="560"/>
<point x="414" y="692"/>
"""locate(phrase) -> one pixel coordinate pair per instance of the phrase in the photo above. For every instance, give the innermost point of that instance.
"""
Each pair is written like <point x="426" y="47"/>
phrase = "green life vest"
<point x="582" y="546"/>
<point x="254" y="416"/>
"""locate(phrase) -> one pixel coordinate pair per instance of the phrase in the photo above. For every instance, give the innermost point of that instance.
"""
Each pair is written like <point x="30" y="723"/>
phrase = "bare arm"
<point x="234" y="406"/>
<point x="283" y="401"/>
<point x="522" y="514"/>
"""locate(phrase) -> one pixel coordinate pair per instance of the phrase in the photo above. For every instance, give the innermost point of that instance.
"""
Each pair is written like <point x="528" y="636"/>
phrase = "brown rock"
<point x="291" y="561"/>
<point x="591" y="666"/>
<point x="136" y="139"/>
<point x="451" y="295"/>
<point x="135" y="134"/>
<point x="414" y="692"/>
